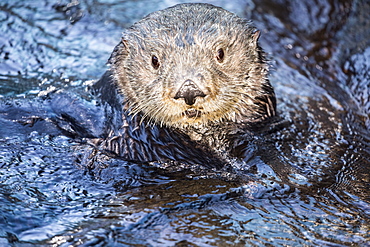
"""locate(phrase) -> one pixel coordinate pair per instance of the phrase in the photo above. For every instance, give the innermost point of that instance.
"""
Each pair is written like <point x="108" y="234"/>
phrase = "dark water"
<point x="316" y="187"/>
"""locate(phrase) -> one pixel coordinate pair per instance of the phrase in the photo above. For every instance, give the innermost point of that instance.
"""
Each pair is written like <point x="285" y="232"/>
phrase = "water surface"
<point x="315" y="188"/>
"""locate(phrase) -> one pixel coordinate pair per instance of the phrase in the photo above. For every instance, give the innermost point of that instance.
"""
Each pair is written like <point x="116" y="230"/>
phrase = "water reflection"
<point x="312" y="181"/>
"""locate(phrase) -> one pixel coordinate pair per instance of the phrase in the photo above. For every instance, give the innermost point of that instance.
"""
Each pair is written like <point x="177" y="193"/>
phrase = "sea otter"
<point x="194" y="71"/>
<point x="187" y="83"/>
<point x="191" y="72"/>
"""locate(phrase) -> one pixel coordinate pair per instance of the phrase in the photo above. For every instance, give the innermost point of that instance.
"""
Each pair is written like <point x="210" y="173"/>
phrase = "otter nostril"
<point x="189" y="91"/>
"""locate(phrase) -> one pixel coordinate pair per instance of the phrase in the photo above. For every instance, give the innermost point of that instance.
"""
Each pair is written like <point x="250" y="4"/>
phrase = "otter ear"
<point x="256" y="36"/>
<point x="120" y="52"/>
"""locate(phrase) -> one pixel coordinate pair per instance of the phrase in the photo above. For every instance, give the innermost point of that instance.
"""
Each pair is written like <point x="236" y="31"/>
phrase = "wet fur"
<point x="186" y="38"/>
<point x="145" y="119"/>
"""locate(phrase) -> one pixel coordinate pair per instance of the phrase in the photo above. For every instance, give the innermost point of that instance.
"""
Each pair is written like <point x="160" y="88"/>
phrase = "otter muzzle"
<point x="189" y="91"/>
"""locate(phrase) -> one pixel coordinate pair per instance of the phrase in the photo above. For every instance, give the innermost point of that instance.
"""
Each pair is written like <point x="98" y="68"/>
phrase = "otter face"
<point x="193" y="64"/>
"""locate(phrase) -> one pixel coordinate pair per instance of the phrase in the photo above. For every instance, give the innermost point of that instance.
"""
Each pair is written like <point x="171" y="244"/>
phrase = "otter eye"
<point x="155" y="62"/>
<point x="220" y="55"/>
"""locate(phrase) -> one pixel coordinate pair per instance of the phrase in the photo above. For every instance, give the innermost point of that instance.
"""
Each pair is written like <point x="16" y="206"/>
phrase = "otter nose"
<point x="189" y="91"/>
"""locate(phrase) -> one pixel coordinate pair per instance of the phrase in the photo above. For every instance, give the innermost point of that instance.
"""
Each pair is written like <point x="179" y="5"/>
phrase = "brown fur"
<point x="186" y="39"/>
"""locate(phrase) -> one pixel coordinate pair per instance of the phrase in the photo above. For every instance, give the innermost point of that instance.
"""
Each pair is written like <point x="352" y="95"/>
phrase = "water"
<point x="316" y="184"/>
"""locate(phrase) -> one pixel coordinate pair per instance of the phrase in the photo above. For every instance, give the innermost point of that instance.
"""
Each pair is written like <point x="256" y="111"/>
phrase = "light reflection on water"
<point x="317" y="194"/>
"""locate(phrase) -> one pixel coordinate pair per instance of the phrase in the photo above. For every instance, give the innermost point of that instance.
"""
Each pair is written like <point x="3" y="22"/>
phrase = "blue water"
<point x="315" y="188"/>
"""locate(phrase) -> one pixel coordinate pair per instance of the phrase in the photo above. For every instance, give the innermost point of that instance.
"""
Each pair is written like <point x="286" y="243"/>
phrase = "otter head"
<point x="193" y="64"/>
